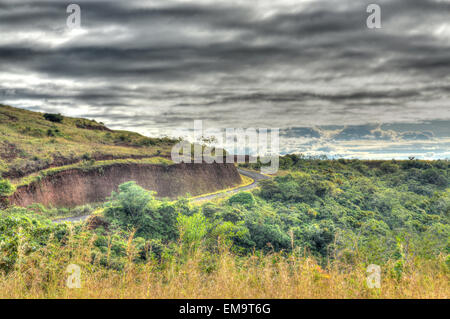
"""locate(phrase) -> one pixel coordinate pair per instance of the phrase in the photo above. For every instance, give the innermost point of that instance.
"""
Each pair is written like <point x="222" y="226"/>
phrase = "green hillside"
<point x="32" y="141"/>
<point x="310" y="232"/>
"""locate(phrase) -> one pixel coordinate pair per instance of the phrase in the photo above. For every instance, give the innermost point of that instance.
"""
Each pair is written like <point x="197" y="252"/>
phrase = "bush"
<point x="242" y="198"/>
<point x="264" y="233"/>
<point x="6" y="189"/>
<point x="22" y="233"/>
<point x="389" y="167"/>
<point x="53" y="132"/>
<point x="193" y="228"/>
<point x="433" y="176"/>
<point x="130" y="205"/>
<point x="135" y="208"/>
<point x="56" y="118"/>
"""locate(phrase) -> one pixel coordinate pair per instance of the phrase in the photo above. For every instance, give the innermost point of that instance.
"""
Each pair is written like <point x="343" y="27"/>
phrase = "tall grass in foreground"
<point x="192" y="272"/>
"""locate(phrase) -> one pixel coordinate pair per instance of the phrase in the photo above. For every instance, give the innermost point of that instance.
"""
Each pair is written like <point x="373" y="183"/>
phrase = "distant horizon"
<point x="346" y="135"/>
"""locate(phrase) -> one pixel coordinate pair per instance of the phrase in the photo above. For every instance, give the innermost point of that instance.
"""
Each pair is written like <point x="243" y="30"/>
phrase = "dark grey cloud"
<point x="307" y="132"/>
<point x="428" y="131"/>
<point x="158" y="64"/>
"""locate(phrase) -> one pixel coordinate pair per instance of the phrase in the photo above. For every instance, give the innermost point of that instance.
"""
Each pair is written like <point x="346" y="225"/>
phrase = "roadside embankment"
<point x="72" y="187"/>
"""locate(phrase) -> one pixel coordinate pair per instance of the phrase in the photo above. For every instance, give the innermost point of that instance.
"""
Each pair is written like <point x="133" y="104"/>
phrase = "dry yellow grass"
<point x="43" y="275"/>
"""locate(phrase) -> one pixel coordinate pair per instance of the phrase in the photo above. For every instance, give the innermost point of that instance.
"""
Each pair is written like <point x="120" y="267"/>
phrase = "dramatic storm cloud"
<point x="311" y="68"/>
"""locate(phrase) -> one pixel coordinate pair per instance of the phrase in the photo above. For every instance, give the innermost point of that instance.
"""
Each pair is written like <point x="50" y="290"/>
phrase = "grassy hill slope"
<point x="33" y="141"/>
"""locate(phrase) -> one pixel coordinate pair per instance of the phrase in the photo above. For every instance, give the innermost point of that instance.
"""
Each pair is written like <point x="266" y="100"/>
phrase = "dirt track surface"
<point x="252" y="174"/>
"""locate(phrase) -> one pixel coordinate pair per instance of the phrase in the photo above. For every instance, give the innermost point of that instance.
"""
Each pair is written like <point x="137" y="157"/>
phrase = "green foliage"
<point x="86" y="157"/>
<point x="318" y="236"/>
<point x="361" y="207"/>
<point x="192" y="229"/>
<point x="389" y="167"/>
<point x="370" y="211"/>
<point x="60" y="212"/>
<point x="6" y="188"/>
<point x="53" y="132"/>
<point x="22" y="233"/>
<point x="344" y="209"/>
<point x="56" y="118"/>
<point x="135" y="208"/>
<point x="130" y="205"/>
<point x="264" y="232"/>
<point x="242" y="198"/>
<point x="295" y="188"/>
<point x="435" y="177"/>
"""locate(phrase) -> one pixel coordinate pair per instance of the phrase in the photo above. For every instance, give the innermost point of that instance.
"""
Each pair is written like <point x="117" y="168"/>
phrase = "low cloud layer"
<point x="430" y="140"/>
<point x="311" y="68"/>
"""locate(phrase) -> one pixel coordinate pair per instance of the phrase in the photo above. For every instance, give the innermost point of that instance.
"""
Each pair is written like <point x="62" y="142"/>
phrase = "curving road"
<point x="252" y="174"/>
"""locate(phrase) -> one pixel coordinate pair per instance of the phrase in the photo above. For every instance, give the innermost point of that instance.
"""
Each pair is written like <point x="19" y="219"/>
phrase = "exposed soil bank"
<point x="77" y="187"/>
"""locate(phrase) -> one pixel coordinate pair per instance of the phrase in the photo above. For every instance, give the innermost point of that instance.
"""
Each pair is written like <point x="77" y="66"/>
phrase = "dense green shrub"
<point x="264" y="232"/>
<point x="6" y="188"/>
<point x="56" y="118"/>
<point x="389" y="167"/>
<point x="193" y="228"/>
<point x="53" y="132"/>
<point x="129" y="206"/>
<point x="434" y="176"/>
<point x="22" y="233"/>
<point x="135" y="208"/>
<point x="242" y="198"/>
<point x="350" y="205"/>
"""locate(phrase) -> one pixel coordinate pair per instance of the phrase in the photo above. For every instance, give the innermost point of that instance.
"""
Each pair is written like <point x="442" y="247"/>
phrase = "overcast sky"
<point x="311" y="68"/>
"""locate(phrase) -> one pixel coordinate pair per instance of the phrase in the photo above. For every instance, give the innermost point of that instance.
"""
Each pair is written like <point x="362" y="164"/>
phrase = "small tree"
<point x="130" y="205"/>
<point x="134" y="207"/>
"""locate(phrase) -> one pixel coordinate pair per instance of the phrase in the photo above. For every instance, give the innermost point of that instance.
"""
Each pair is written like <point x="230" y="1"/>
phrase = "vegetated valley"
<point x="308" y="232"/>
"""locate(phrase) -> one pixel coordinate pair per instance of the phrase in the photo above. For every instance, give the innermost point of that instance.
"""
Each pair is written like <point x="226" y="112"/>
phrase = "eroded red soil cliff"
<point x="76" y="187"/>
